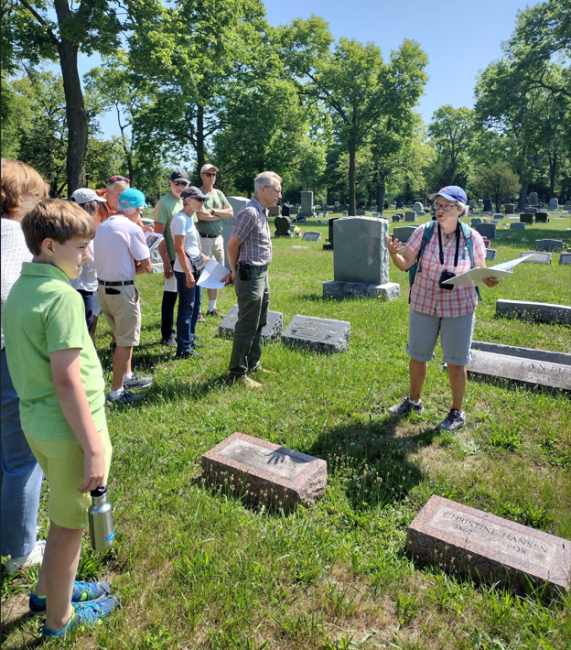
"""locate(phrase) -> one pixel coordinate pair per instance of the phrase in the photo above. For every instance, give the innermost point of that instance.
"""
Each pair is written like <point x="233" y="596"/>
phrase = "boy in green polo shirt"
<point x="59" y="380"/>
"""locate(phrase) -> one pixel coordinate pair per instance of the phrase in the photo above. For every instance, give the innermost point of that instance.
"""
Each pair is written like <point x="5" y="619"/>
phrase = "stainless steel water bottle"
<point x="101" y="526"/>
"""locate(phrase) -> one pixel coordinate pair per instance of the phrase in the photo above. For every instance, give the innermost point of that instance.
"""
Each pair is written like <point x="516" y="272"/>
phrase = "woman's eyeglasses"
<point x="115" y="179"/>
<point x="445" y="207"/>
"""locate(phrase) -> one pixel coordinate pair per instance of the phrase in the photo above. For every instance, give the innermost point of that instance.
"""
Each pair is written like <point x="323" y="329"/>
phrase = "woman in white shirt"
<point x="187" y="268"/>
<point x="87" y="283"/>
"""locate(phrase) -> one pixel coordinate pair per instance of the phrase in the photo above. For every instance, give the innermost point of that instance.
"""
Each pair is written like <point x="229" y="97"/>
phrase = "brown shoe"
<point x="215" y="312"/>
<point x="201" y="318"/>
<point x="243" y="380"/>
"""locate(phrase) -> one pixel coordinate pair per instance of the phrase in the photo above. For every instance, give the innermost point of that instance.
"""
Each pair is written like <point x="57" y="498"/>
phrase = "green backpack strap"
<point x="417" y="266"/>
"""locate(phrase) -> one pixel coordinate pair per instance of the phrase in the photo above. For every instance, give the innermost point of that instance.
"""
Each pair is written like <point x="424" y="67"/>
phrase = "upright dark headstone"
<point x="526" y="217"/>
<point x="274" y="211"/>
<point x="542" y="217"/>
<point x="486" y="230"/>
<point x="282" y="226"/>
<point x="510" y="208"/>
<point x="488" y="205"/>
<point x="285" y="210"/>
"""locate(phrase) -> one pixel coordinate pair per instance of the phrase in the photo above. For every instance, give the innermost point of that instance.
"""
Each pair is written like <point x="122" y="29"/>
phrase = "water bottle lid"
<point x="99" y="492"/>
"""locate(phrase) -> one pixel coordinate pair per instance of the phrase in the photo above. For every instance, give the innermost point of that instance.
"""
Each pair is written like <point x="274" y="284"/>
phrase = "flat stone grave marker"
<point x="498" y="215"/>
<point x="548" y="245"/>
<point x="403" y="233"/>
<point x="271" y="331"/>
<point x="320" y="334"/>
<point x="486" y="229"/>
<point x="541" y="312"/>
<point x="490" y="548"/>
<point x="517" y="226"/>
<point x="535" y="257"/>
<point x="410" y="216"/>
<point x="565" y="258"/>
<point x="491" y="254"/>
<point x="268" y="474"/>
<point x="522" y="365"/>
<point x="513" y="217"/>
<point x="311" y="236"/>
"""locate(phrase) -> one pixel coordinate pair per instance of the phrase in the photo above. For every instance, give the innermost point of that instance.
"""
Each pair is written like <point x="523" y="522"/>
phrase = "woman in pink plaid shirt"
<point x="436" y="308"/>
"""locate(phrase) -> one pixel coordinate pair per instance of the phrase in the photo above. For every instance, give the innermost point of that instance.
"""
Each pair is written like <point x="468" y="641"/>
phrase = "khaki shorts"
<point x="122" y="309"/>
<point x="62" y="463"/>
<point x="213" y="248"/>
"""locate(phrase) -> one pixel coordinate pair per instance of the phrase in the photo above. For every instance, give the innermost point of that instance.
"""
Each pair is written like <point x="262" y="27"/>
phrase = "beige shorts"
<point x="62" y="461"/>
<point x="122" y="309"/>
<point x="213" y="248"/>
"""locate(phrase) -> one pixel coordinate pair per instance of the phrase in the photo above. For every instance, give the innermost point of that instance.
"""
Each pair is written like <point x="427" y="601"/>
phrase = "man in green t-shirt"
<point x="209" y="225"/>
<point x="167" y="208"/>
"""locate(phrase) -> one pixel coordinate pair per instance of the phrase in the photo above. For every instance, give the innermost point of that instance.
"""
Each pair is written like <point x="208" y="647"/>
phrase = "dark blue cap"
<point x="452" y="193"/>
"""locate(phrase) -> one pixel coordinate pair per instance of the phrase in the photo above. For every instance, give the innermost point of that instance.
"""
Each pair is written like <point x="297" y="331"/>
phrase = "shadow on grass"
<point x="16" y="624"/>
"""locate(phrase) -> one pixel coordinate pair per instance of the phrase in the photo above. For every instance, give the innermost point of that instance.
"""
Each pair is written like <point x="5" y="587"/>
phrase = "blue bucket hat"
<point x="451" y="192"/>
<point x="132" y="199"/>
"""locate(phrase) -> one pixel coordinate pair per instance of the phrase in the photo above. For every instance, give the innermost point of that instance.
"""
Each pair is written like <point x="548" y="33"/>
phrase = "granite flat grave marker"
<point x="565" y="258"/>
<point x="517" y="226"/>
<point x="410" y="216"/>
<point x="487" y="547"/>
<point x="271" y="331"/>
<point x="534" y="257"/>
<point x="541" y="312"/>
<point x="498" y="215"/>
<point x="266" y="473"/>
<point x="320" y="334"/>
<point x="311" y="235"/>
<point x="548" y="245"/>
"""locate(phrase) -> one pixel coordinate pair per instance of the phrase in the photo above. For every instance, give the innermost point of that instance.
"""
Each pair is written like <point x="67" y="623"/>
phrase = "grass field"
<point x="196" y="568"/>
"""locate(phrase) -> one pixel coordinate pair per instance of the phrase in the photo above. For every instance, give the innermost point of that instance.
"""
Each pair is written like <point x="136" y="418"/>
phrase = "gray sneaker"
<point x="137" y="381"/>
<point x="171" y="343"/>
<point x="406" y="407"/>
<point x="125" y="398"/>
<point x="453" y="421"/>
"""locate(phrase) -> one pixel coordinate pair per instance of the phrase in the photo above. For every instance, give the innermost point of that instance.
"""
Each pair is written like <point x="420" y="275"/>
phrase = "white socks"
<point x="128" y="376"/>
<point x="211" y="305"/>
<point x="115" y="394"/>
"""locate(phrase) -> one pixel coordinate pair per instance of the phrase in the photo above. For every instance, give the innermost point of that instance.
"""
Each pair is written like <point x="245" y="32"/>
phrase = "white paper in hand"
<point x="475" y="277"/>
<point x="211" y="277"/>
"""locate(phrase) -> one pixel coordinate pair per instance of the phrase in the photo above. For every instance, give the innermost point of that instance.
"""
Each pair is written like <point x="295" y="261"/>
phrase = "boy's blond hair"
<point x="58" y="220"/>
<point x="22" y="188"/>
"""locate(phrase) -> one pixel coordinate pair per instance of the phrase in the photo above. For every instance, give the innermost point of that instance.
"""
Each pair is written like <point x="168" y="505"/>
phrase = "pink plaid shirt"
<point x="426" y="296"/>
<point x="251" y="227"/>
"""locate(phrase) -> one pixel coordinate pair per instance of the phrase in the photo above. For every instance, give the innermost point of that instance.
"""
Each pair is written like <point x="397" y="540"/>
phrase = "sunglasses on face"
<point x="180" y="183"/>
<point x="210" y="173"/>
<point x="114" y="179"/>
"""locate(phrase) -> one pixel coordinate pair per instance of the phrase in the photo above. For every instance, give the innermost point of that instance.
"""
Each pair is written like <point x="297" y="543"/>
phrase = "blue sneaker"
<point x="82" y="592"/>
<point x="90" y="613"/>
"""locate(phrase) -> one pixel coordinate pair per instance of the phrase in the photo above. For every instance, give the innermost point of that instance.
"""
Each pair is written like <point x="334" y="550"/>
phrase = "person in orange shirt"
<point x="115" y="186"/>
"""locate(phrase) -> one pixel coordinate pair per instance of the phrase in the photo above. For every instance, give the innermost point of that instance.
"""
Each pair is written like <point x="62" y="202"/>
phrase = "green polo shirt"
<point x="44" y="314"/>
<point x="167" y="208"/>
<point x="215" y="200"/>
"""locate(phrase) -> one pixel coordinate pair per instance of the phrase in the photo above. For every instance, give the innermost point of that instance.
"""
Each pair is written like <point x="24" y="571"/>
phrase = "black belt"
<point x="255" y="268"/>
<point x="120" y="283"/>
<point x="208" y="236"/>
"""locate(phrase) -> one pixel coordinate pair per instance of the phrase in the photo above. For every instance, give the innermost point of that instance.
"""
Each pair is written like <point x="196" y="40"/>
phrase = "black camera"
<point x="446" y="275"/>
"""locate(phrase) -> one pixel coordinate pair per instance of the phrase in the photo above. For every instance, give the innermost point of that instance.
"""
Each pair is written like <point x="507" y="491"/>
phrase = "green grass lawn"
<point x="197" y="568"/>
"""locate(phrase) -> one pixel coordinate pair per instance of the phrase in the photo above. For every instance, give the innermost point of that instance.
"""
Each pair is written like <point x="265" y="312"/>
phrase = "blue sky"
<point x="460" y="38"/>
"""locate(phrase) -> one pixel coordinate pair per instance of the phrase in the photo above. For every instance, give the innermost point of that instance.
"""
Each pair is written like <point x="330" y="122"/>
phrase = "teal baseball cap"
<point x="132" y="199"/>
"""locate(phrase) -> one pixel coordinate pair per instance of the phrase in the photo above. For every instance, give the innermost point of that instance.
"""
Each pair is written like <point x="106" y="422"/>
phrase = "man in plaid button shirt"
<point x="249" y="254"/>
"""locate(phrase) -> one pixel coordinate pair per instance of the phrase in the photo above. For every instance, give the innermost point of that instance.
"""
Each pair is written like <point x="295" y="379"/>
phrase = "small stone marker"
<point x="534" y="257"/>
<point x="548" y="245"/>
<point x="475" y="221"/>
<point x="271" y="331"/>
<point x="345" y="213"/>
<point x="498" y="215"/>
<point x="527" y="217"/>
<point x="530" y="211"/>
<point x="521" y="365"/>
<point x="361" y="212"/>
<point x="518" y="225"/>
<point x="311" y="236"/>
<point x="490" y="548"/>
<point x="553" y="204"/>
<point x="274" y="211"/>
<point x="268" y="474"/>
<point x="403" y="233"/>
<point x="418" y="208"/>
<point x="486" y="229"/>
<point x="491" y="254"/>
<point x="321" y="334"/>
<point x="565" y="258"/>
<point x="410" y="216"/>
<point x="541" y="312"/>
<point x="533" y="198"/>
<point x="510" y="208"/>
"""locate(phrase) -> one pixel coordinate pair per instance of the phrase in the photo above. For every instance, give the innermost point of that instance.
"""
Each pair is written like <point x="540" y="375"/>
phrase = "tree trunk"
<point x="552" y="174"/>
<point x="352" y="200"/>
<point x="200" y="137"/>
<point x="380" y="197"/>
<point x="523" y="194"/>
<point x="77" y="118"/>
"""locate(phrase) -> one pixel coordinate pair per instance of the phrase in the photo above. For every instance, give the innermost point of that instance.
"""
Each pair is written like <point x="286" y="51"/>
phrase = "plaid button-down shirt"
<point x="426" y="296"/>
<point x="252" y="229"/>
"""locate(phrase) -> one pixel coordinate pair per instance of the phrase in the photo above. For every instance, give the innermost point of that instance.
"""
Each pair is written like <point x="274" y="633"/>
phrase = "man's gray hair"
<point x="127" y="212"/>
<point x="265" y="179"/>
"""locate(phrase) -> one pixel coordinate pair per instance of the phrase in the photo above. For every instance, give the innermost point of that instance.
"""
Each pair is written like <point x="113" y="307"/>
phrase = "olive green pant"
<point x="253" y="299"/>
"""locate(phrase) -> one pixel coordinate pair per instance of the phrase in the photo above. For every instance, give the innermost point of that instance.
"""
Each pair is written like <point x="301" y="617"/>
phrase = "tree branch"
<point x="41" y="20"/>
